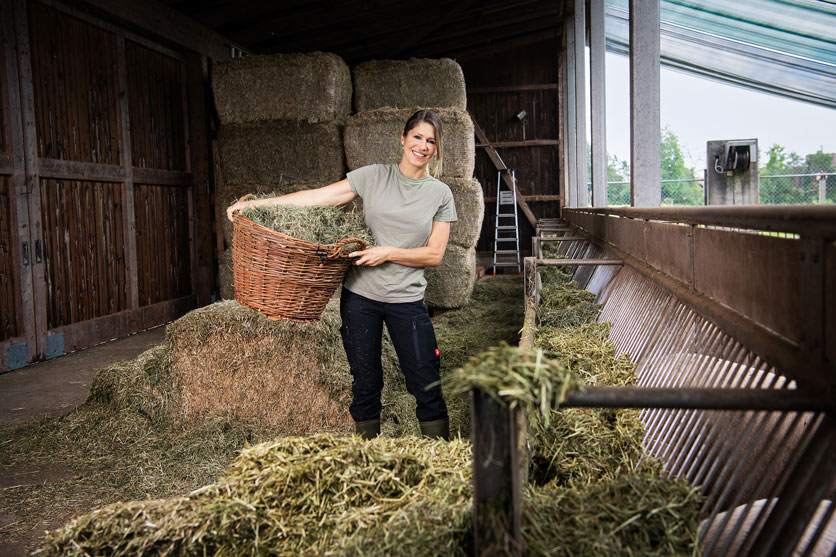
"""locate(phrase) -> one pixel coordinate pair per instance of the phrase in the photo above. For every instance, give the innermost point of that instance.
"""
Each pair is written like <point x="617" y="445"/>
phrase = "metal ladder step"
<point x="506" y="233"/>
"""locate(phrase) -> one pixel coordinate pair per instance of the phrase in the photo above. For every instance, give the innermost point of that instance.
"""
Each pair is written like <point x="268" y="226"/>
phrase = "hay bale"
<point x="450" y="284"/>
<point x="259" y="153"/>
<point x="374" y="137"/>
<point x="318" y="495"/>
<point x="470" y="208"/>
<point x="226" y="275"/>
<point x="313" y="87"/>
<point x="233" y="192"/>
<point x="406" y="83"/>
<point x="229" y="361"/>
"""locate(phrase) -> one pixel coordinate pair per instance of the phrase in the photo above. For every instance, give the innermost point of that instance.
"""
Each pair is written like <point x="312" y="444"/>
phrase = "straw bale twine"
<point x="313" y="87"/>
<point x="258" y="153"/>
<point x="450" y="284"/>
<point x="229" y="361"/>
<point x="407" y="83"/>
<point x="374" y="137"/>
<point x="470" y="209"/>
<point x="233" y="192"/>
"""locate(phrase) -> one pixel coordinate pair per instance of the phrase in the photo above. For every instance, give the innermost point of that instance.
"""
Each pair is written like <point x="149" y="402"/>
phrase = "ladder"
<point x="506" y="241"/>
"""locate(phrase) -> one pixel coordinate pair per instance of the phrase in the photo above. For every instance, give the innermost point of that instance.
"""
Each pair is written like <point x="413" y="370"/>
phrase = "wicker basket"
<point x="283" y="277"/>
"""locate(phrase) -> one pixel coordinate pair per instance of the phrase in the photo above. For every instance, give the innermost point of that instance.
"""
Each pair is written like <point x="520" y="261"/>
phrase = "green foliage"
<point x="776" y="188"/>
<point x="686" y="192"/>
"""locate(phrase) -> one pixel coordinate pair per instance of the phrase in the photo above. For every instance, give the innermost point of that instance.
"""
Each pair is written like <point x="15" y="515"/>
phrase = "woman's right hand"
<point x="235" y="207"/>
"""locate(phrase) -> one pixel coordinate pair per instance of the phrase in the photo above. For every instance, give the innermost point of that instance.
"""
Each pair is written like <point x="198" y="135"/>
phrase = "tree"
<point x="790" y="190"/>
<point x="618" y="178"/>
<point x="687" y="191"/>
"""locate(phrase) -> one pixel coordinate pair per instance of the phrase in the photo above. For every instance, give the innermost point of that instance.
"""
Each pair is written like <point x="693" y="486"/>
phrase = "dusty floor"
<point x="54" y="388"/>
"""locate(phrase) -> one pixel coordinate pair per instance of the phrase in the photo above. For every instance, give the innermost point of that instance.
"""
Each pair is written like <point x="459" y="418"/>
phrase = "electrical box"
<point x="732" y="176"/>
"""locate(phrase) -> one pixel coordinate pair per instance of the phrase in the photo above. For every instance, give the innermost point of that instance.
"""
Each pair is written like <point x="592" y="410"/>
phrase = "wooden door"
<point x="102" y="219"/>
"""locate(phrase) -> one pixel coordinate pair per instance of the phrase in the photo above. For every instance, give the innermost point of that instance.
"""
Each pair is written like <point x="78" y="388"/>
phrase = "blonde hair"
<point x="431" y="118"/>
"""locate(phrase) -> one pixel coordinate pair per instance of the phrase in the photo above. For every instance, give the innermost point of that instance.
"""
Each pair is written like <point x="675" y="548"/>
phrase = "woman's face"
<point x="419" y="145"/>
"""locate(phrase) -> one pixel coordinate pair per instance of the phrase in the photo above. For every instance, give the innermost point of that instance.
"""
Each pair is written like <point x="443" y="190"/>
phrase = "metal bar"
<point x="570" y="262"/>
<point x="496" y="478"/>
<point x="567" y="239"/>
<point x="700" y="398"/>
<point x="578" y="22"/>
<point x="819" y="220"/>
<point x="598" y="112"/>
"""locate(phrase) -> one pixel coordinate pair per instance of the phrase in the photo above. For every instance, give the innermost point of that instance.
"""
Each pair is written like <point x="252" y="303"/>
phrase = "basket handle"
<point x="337" y="249"/>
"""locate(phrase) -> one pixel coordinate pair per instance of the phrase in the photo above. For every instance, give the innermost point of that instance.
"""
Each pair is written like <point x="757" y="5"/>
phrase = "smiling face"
<point x="419" y="146"/>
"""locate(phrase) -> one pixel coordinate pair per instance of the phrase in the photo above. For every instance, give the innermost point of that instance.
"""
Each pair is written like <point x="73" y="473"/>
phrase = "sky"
<point x="697" y="109"/>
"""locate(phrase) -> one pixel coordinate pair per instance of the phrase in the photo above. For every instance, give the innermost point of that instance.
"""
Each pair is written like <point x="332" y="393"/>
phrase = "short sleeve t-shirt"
<point x="399" y="211"/>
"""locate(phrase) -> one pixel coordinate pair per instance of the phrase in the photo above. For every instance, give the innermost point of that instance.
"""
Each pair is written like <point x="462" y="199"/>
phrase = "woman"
<point x="409" y="213"/>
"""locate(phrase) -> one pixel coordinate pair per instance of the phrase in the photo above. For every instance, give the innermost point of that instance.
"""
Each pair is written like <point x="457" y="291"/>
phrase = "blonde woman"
<point x="409" y="213"/>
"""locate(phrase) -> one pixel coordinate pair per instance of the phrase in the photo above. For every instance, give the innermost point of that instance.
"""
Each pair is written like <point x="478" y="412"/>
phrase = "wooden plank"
<point x="30" y="179"/>
<point x="513" y="89"/>
<point x="162" y="177"/>
<point x="77" y="170"/>
<point x="573" y="262"/>
<point x="830" y="302"/>
<point x="494" y="156"/>
<point x="530" y="198"/>
<point x="527" y="143"/>
<point x="200" y="165"/>
<point x="7" y="164"/>
<point x="128" y="212"/>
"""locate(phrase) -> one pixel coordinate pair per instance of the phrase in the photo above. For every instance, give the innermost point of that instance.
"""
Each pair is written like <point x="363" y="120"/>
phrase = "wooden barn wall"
<point x="101" y="127"/>
<point x="500" y="85"/>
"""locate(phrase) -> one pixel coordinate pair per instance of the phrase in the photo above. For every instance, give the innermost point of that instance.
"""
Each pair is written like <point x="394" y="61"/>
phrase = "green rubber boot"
<point x="368" y="429"/>
<point x="436" y="429"/>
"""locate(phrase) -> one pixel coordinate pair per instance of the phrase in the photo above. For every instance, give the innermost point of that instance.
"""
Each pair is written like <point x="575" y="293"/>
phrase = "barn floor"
<point x="53" y="388"/>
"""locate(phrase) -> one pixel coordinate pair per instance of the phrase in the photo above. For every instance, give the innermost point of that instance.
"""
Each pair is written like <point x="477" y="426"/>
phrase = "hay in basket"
<point x="289" y="260"/>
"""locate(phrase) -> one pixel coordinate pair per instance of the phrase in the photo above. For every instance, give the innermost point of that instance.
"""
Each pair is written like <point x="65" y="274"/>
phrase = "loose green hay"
<point x="373" y="137"/>
<point x="261" y="152"/>
<point x="562" y="303"/>
<point x="301" y="496"/>
<point x="636" y="513"/>
<point x="450" y="284"/>
<point x="233" y="192"/>
<point x="470" y="209"/>
<point x="312" y="87"/>
<point x="438" y="83"/>
<point x="317" y="224"/>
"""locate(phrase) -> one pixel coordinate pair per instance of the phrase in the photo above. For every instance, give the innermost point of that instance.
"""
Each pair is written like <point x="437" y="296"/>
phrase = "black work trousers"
<point x="412" y="335"/>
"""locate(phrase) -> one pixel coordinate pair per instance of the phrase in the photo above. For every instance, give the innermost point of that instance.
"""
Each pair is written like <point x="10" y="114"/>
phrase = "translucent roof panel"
<point x="782" y="47"/>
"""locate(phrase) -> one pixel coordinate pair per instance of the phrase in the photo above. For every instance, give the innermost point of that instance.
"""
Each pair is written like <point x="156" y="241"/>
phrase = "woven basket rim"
<point x="299" y="243"/>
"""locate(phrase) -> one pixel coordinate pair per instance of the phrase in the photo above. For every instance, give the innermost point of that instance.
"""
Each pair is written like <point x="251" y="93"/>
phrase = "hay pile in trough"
<point x="406" y="83"/>
<point x="450" y="284"/>
<point x="260" y="152"/>
<point x="374" y="137"/>
<point x="313" y="87"/>
<point x="470" y="209"/>
<point x="300" y="496"/>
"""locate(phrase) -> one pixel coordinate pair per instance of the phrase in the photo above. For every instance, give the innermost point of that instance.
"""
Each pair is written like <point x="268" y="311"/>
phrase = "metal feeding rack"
<point x="726" y="314"/>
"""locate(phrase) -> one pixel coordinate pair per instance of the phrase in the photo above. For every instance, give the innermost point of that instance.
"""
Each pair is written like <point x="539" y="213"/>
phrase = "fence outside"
<point x="818" y="188"/>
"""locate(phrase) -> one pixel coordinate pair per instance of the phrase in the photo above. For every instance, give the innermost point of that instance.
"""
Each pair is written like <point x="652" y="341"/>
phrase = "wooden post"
<point x="496" y="477"/>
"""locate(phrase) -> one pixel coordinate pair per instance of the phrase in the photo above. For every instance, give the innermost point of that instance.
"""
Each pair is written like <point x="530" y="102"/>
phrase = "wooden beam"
<point x="158" y="177"/>
<point x="7" y="165"/>
<point x="497" y="161"/>
<point x="128" y="212"/>
<point x="167" y="24"/>
<point x="531" y="198"/>
<point x="428" y="29"/>
<point x="526" y="143"/>
<point x="513" y="89"/>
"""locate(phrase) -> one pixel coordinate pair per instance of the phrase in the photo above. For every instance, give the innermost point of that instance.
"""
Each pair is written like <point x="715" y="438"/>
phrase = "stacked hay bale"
<point x="387" y="92"/>
<point x="281" y="115"/>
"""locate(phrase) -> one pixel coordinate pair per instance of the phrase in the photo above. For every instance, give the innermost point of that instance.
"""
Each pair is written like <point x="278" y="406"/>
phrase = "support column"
<point x="598" y="102"/>
<point x="571" y="119"/>
<point x="579" y="23"/>
<point x="645" y="118"/>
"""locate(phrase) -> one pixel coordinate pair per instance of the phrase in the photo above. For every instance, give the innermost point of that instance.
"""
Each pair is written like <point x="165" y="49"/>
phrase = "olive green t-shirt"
<point x="400" y="212"/>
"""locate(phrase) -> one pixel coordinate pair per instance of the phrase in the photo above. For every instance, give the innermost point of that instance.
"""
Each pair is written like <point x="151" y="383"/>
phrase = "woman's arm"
<point x="338" y="193"/>
<point x="427" y="256"/>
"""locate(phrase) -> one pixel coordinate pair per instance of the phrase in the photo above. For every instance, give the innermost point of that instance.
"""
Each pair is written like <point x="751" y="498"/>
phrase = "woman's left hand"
<point x="371" y="256"/>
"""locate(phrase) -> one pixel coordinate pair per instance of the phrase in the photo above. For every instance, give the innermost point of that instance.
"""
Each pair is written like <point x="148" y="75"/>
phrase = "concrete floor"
<point x="57" y="386"/>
